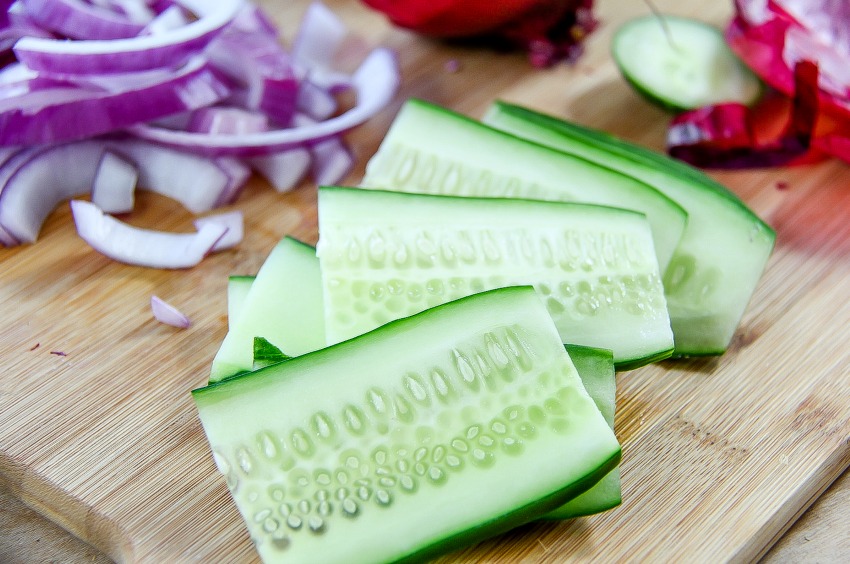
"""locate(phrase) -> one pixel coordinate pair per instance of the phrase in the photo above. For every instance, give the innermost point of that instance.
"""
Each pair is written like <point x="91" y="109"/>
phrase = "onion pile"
<point x="187" y="98"/>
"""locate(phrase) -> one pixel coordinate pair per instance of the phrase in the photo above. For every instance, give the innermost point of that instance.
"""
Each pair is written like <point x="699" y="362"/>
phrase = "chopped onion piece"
<point x="227" y="120"/>
<point x="37" y="180"/>
<point x="233" y="221"/>
<point x="332" y="160"/>
<point x="196" y="182"/>
<point x="284" y="169"/>
<point x="143" y="247"/>
<point x="113" y="190"/>
<point x="171" y="18"/>
<point x="375" y="83"/>
<point x="143" y="52"/>
<point x="166" y="313"/>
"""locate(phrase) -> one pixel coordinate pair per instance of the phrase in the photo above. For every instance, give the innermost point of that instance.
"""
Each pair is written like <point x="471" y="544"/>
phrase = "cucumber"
<point x="681" y="63"/>
<point x="424" y="435"/>
<point x="270" y="301"/>
<point x="596" y="369"/>
<point x="432" y="150"/>
<point x="386" y="255"/>
<point x="238" y="287"/>
<point x="725" y="246"/>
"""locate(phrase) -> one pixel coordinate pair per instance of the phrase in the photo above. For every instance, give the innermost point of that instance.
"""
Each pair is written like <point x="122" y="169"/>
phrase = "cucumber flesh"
<point x="596" y="369"/>
<point x="723" y="250"/>
<point x="238" y="287"/>
<point x="681" y="63"/>
<point x="391" y="445"/>
<point x="386" y="255"/>
<point x="268" y="303"/>
<point x="432" y="150"/>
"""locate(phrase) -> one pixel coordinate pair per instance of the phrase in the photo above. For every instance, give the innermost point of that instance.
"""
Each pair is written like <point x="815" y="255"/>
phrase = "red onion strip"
<point x="131" y="54"/>
<point x="113" y="189"/>
<point x="143" y="247"/>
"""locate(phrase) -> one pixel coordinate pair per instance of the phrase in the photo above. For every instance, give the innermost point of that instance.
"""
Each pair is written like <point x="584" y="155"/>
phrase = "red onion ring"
<point x="143" y="52"/>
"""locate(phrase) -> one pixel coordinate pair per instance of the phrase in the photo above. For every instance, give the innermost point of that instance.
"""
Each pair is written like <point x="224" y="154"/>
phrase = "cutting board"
<point x="720" y="455"/>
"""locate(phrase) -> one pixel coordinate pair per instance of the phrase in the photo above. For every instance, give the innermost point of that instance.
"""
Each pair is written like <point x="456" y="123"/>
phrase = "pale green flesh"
<point x="595" y="367"/>
<point x="681" y="63"/>
<point x="392" y="445"/>
<point x="432" y="150"/>
<point x="269" y="303"/>
<point x="723" y="250"/>
<point x="386" y="255"/>
<point x="237" y="291"/>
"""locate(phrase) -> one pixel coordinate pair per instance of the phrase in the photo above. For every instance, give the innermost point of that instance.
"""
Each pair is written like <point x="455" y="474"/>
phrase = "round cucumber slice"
<point x="681" y="64"/>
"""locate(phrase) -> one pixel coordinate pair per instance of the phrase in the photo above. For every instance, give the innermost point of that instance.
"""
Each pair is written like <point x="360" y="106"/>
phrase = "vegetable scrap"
<point x="166" y="313"/>
<point x="549" y="31"/>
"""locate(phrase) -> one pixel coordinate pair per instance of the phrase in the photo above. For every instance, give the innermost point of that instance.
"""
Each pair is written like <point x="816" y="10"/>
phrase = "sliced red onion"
<point x="375" y="83"/>
<point x="257" y="62"/>
<point x="144" y="52"/>
<point x="143" y="247"/>
<point x="332" y="160"/>
<point x="37" y="180"/>
<point x="319" y="38"/>
<point x="233" y="221"/>
<point x="166" y="313"/>
<point x="76" y="19"/>
<point x="227" y="121"/>
<point x="171" y="18"/>
<point x="284" y="169"/>
<point x="6" y="238"/>
<point x="113" y="189"/>
<point x="193" y="180"/>
<point x="59" y="114"/>
<point x="315" y="101"/>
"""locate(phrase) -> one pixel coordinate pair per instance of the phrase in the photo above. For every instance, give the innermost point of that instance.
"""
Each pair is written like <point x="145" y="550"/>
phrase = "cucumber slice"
<point x="681" y="64"/>
<point x="427" y="434"/>
<point x="596" y="369"/>
<point x="386" y="255"/>
<point x="723" y="250"/>
<point x="268" y="303"/>
<point x="432" y="150"/>
<point x="238" y="287"/>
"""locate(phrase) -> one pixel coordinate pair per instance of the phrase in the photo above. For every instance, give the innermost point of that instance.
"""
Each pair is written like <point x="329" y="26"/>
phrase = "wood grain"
<point x="721" y="455"/>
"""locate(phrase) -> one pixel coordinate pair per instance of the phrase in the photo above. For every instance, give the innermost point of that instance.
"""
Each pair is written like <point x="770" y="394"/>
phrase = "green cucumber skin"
<point x="432" y="150"/>
<point x="219" y="400"/>
<point x="735" y="241"/>
<point x="733" y="81"/>
<point x="596" y="368"/>
<point x="346" y="222"/>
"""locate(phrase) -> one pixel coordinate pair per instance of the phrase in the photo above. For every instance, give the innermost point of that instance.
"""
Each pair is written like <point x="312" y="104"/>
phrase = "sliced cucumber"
<point x="723" y="251"/>
<point x="681" y="63"/>
<point x="432" y="150"/>
<point x="386" y="255"/>
<point x="238" y="287"/>
<point x="427" y="434"/>
<point x="268" y="303"/>
<point x="596" y="369"/>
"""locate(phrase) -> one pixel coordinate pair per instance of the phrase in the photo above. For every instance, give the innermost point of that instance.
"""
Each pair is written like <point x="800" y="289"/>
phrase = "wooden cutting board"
<point x="720" y="455"/>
